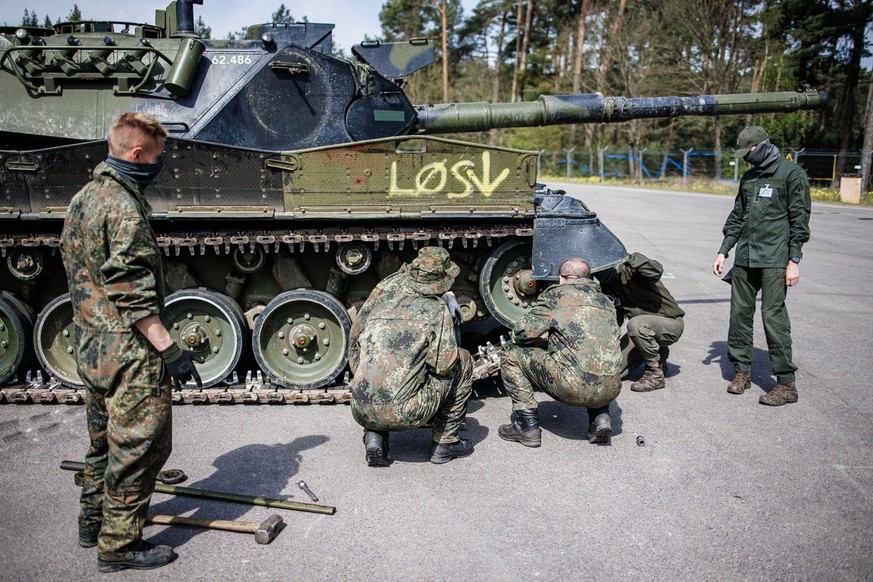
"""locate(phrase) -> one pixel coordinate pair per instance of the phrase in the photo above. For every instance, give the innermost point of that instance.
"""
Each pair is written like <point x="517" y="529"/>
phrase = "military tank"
<point x="294" y="181"/>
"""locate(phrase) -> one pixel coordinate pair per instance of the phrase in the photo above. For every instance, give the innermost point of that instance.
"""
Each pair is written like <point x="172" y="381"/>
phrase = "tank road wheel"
<point x="16" y="330"/>
<point x="506" y="282"/>
<point x="54" y="342"/>
<point x="211" y="325"/>
<point x="301" y="338"/>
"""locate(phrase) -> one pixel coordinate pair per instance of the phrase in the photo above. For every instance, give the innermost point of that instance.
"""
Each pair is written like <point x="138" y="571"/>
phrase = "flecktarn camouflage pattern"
<point x="411" y="369"/>
<point x="114" y="271"/>
<point x="579" y="362"/>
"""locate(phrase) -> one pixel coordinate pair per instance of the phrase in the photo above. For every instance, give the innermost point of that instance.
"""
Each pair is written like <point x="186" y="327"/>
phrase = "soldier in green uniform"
<point x="115" y="278"/>
<point x="566" y="345"/>
<point x="768" y="225"/>
<point x="654" y="319"/>
<point x="409" y="366"/>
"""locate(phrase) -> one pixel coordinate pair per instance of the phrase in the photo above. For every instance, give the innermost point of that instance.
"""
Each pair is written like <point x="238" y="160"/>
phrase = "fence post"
<point x="600" y="151"/>
<point x="796" y="154"/>
<point x="685" y="166"/>
<point x="640" y="164"/>
<point x="865" y="172"/>
<point x="569" y="160"/>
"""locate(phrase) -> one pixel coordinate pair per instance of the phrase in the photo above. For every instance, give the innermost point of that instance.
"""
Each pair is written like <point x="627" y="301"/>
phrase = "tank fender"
<point x="564" y="228"/>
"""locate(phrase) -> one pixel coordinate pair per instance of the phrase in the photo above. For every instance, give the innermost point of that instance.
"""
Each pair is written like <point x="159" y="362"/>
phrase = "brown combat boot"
<point x="781" y="394"/>
<point x="653" y="379"/>
<point x="740" y="383"/>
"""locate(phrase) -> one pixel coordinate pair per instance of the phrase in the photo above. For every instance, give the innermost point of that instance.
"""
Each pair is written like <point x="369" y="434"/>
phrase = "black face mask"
<point x="757" y="157"/>
<point x="141" y="174"/>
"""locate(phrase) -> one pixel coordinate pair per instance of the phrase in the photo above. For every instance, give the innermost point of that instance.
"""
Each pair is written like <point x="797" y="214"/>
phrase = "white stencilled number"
<point x="242" y="59"/>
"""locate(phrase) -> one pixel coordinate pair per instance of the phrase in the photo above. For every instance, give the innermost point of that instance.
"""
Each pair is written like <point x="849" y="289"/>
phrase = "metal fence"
<point x="646" y="165"/>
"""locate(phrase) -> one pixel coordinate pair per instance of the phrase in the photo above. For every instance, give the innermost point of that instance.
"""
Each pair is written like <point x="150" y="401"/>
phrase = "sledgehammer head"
<point x="269" y="529"/>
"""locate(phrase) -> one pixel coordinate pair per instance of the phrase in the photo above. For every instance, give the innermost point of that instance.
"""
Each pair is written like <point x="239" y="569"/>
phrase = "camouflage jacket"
<point x="405" y="337"/>
<point x="580" y="327"/>
<point x="110" y="254"/>
<point x="386" y="287"/>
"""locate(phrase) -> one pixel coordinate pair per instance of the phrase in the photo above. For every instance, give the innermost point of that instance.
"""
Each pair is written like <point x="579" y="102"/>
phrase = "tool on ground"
<point x="168" y="476"/>
<point x="264" y="532"/>
<point x="223" y="496"/>
<point x="302" y="484"/>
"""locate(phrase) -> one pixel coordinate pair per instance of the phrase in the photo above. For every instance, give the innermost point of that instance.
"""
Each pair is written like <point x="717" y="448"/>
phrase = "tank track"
<point x="254" y="392"/>
<point x="486" y="362"/>
<point x="255" y="389"/>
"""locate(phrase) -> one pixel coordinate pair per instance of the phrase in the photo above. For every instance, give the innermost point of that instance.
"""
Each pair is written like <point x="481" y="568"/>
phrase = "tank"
<point x="294" y="181"/>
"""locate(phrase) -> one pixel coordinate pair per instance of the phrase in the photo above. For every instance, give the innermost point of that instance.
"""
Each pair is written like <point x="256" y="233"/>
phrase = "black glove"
<point x="180" y="365"/>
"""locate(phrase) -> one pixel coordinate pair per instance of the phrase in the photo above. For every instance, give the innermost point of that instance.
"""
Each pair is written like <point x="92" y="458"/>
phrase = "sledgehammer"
<point x="223" y="496"/>
<point x="264" y="532"/>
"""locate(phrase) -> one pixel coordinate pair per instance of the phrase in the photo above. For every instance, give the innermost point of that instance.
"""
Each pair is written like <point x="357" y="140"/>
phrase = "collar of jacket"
<point x="104" y="169"/>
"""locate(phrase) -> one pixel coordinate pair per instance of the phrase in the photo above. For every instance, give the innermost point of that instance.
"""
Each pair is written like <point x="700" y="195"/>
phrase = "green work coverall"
<point x="768" y="225"/>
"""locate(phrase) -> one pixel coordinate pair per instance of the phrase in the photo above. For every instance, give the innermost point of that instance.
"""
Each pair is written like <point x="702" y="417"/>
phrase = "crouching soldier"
<point x="409" y="367"/>
<point x="566" y="345"/>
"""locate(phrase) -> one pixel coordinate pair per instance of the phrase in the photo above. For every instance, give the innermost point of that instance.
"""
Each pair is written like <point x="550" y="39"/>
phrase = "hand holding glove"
<point x="180" y="365"/>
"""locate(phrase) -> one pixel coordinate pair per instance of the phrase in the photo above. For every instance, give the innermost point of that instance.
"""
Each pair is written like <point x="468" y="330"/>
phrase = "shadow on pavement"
<point x="267" y="470"/>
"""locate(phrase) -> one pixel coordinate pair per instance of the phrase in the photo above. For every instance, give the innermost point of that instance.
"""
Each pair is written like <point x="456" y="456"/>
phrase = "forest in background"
<point x="517" y="50"/>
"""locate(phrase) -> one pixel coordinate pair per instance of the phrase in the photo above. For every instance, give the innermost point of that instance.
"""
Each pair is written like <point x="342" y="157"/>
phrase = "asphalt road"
<point x="723" y="489"/>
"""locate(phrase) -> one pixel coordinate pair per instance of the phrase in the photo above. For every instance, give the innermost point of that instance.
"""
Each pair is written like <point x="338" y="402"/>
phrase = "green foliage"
<point x="201" y="29"/>
<point x="282" y="15"/>
<point x="75" y="15"/>
<point x="29" y="19"/>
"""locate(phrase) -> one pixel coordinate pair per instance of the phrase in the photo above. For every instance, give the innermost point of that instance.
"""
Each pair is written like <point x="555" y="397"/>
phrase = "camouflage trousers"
<point x="128" y="408"/>
<point x="442" y="400"/>
<point x="645" y="336"/>
<point x="527" y="368"/>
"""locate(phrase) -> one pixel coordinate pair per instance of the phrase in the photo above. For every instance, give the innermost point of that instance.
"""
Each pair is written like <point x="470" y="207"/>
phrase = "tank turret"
<point x="278" y="89"/>
<point x="294" y="181"/>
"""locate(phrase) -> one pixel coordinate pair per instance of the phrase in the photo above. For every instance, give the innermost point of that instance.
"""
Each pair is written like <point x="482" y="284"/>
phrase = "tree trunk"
<point x="867" y="148"/>
<point x="494" y="134"/>
<point x="519" y="32"/>
<point x="578" y="53"/>
<point x="525" y="48"/>
<point x="609" y="47"/>
<point x="442" y="9"/>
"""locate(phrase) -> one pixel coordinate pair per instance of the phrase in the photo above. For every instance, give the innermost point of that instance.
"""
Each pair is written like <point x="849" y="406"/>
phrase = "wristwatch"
<point x="795" y="259"/>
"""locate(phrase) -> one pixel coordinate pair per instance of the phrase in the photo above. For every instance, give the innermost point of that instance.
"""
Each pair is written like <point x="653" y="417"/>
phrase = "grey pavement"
<point x="723" y="489"/>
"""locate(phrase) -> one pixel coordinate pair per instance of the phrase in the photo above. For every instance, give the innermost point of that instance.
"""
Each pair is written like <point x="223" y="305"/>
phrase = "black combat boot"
<point x="443" y="453"/>
<point x="376" y="443"/>
<point x="524" y="429"/>
<point x="149" y="556"/>
<point x="88" y="533"/>
<point x="599" y="425"/>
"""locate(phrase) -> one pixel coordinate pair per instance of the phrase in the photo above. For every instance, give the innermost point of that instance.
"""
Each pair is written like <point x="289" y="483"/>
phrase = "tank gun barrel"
<point x="595" y="108"/>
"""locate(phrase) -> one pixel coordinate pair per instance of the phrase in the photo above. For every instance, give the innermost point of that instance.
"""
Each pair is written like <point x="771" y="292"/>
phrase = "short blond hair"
<point x="132" y="130"/>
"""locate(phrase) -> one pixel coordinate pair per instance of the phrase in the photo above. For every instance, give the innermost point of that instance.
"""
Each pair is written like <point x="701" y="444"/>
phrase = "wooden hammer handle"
<point x="223" y="524"/>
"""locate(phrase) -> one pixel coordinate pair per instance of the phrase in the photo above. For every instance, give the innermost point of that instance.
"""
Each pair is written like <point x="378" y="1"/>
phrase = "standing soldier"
<point x="409" y="368"/>
<point x="566" y="345"/>
<point x="769" y="225"/>
<point x="654" y="319"/>
<point x="115" y="278"/>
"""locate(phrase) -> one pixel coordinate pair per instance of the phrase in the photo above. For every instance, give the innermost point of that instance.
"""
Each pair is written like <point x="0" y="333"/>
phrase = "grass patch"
<point x="702" y="186"/>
